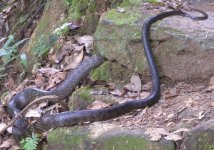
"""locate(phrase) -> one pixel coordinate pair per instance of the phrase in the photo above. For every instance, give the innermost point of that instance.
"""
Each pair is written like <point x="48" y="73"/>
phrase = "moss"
<point x="101" y="73"/>
<point x="128" y="17"/>
<point x="80" y="8"/>
<point x="128" y="142"/>
<point x="127" y="3"/>
<point x="67" y="139"/>
<point x="83" y="94"/>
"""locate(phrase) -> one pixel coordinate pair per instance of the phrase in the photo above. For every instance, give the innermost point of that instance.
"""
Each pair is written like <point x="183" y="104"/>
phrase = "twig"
<point x="37" y="100"/>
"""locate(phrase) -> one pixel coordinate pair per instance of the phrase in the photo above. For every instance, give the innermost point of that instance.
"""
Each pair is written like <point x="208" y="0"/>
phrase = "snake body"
<point x="20" y="100"/>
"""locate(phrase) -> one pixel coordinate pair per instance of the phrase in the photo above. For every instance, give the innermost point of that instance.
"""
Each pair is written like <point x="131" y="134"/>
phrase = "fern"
<point x="30" y="143"/>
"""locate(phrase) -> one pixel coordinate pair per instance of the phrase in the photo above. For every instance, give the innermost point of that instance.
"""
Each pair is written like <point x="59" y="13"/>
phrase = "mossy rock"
<point x="112" y="72"/>
<point x="179" y="47"/>
<point x="201" y="137"/>
<point x="103" y="136"/>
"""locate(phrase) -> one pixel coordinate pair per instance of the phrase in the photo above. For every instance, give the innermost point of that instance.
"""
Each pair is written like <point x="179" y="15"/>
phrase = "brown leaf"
<point x="2" y="125"/>
<point x="87" y="40"/>
<point x="74" y="63"/>
<point x="77" y="47"/>
<point x="170" y="93"/>
<point x="48" y="71"/>
<point x="211" y="104"/>
<point x="55" y="79"/>
<point x="190" y="102"/>
<point x="33" y="113"/>
<point x="136" y="83"/>
<point x="98" y="105"/>
<point x="116" y="92"/>
<point x="9" y="82"/>
<point x="7" y="143"/>
<point x="121" y="10"/>
<point x="39" y="80"/>
<point x="156" y="133"/>
<point x="63" y="51"/>
<point x="173" y="137"/>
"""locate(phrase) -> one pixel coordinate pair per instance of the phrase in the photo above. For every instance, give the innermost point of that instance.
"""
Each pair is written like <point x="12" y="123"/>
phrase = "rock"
<point x="183" y="48"/>
<point x="42" y="37"/>
<point x="103" y="136"/>
<point x="201" y="137"/>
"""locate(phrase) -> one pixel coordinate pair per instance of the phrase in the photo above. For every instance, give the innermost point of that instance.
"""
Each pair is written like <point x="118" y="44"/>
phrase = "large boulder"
<point x="201" y="137"/>
<point x="183" y="48"/>
<point x="103" y="136"/>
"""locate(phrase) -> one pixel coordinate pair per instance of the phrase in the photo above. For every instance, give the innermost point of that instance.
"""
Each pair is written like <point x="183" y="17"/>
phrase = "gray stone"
<point x="103" y="137"/>
<point x="183" y="48"/>
<point x="201" y="137"/>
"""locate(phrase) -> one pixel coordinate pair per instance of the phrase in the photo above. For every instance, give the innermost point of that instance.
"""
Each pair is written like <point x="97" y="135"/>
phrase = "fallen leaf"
<point x="2" y="125"/>
<point x="121" y="10"/>
<point x="87" y="40"/>
<point x="211" y="104"/>
<point x="55" y="79"/>
<point x="77" y="47"/>
<point x="136" y="83"/>
<point x="116" y="92"/>
<point x="189" y="103"/>
<point x="201" y="115"/>
<point x="33" y="113"/>
<point x="156" y="133"/>
<point x="10" y="129"/>
<point x="65" y="49"/>
<point x="48" y="71"/>
<point x="173" y="137"/>
<point x="98" y="105"/>
<point x="7" y="143"/>
<point x="74" y="63"/>
<point x="170" y="93"/>
<point x="181" y="130"/>
<point x="9" y="82"/>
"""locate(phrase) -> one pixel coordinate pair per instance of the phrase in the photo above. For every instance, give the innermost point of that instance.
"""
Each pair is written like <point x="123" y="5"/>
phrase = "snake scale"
<point x="21" y="99"/>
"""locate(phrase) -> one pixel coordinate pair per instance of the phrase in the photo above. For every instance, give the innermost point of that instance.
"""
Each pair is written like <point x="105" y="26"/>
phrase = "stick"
<point x="37" y="100"/>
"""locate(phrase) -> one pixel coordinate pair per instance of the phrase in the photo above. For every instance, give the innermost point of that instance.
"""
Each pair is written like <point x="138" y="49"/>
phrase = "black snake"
<point x="21" y="99"/>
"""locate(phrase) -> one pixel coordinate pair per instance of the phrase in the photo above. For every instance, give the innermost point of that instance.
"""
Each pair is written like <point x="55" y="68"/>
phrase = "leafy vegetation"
<point x="9" y="52"/>
<point x="30" y="143"/>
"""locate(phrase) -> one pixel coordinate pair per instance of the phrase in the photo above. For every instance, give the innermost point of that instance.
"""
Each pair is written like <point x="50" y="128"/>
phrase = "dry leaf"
<point x="2" y="125"/>
<point x="74" y="63"/>
<point x="189" y="103"/>
<point x="33" y="113"/>
<point x="136" y="83"/>
<point x="181" y="130"/>
<point x="77" y="47"/>
<point x="172" y="92"/>
<point x="39" y="80"/>
<point x="98" y="105"/>
<point x="87" y="40"/>
<point x="55" y="79"/>
<point x="116" y="92"/>
<point x="7" y="143"/>
<point x="48" y="71"/>
<point x="211" y="104"/>
<point x="121" y="10"/>
<point x="65" y="50"/>
<point x="201" y="115"/>
<point x="9" y="82"/>
<point x="156" y="133"/>
<point x="173" y="137"/>
<point x="10" y="129"/>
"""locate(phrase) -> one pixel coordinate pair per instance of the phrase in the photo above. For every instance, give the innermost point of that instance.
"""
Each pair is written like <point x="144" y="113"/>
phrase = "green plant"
<point x="9" y="51"/>
<point x="30" y="143"/>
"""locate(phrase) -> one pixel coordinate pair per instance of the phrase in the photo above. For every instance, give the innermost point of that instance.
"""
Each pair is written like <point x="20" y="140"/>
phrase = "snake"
<point x="74" y="77"/>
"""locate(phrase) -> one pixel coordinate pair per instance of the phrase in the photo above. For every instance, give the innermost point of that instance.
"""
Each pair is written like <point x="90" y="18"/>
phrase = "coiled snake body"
<point x="20" y="100"/>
